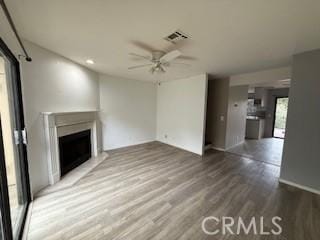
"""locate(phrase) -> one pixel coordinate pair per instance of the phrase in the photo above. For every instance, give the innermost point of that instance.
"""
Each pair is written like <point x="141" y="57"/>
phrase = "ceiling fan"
<point x="159" y="60"/>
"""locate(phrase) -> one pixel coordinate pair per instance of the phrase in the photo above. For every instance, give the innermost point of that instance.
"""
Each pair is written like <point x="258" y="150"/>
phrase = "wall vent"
<point x="177" y="36"/>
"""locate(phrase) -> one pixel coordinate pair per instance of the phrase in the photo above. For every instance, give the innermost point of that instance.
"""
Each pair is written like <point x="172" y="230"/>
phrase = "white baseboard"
<point x="299" y="186"/>
<point x="130" y="145"/>
<point x="218" y="149"/>
<point x="239" y="143"/>
<point x="180" y="147"/>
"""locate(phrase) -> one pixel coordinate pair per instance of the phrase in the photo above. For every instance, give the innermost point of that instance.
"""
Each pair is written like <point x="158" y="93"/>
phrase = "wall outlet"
<point x="222" y="118"/>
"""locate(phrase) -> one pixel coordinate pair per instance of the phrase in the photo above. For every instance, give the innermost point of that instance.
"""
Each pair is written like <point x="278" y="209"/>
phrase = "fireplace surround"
<point x="58" y="125"/>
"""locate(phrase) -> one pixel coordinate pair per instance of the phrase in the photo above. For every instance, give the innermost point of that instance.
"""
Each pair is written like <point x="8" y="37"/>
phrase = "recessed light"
<point x="90" y="61"/>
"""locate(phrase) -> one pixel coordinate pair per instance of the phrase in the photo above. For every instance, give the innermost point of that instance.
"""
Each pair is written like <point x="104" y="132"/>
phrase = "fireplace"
<point x="71" y="138"/>
<point x="74" y="149"/>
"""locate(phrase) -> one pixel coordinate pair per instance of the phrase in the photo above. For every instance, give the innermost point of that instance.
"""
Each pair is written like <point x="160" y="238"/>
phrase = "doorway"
<point x="14" y="179"/>
<point x="265" y="124"/>
<point x="280" y="117"/>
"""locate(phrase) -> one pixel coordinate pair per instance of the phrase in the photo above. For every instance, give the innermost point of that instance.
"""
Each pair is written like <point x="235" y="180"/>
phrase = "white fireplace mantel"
<point x="57" y="124"/>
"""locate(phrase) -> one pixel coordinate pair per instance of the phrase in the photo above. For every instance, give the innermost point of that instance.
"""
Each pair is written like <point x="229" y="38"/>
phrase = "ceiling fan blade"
<point x="143" y="46"/>
<point x="162" y="69"/>
<point x="140" y="66"/>
<point x="140" y="56"/>
<point x="168" y="57"/>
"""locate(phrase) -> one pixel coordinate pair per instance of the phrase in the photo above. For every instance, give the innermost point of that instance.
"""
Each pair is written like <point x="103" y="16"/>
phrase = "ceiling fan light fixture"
<point x="90" y="61"/>
<point x="159" y="60"/>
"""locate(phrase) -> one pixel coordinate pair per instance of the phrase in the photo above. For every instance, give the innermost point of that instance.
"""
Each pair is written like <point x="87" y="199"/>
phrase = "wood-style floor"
<point x="268" y="150"/>
<point x="154" y="191"/>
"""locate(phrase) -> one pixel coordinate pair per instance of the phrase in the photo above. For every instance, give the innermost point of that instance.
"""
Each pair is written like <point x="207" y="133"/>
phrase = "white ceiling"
<point x="227" y="36"/>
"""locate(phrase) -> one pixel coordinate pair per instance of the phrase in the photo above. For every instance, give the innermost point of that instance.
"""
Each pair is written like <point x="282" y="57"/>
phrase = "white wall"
<point x="8" y="36"/>
<point x="128" y="111"/>
<point x="261" y="76"/>
<point x="181" y="112"/>
<point x="300" y="161"/>
<point x="52" y="83"/>
<point x="237" y="114"/>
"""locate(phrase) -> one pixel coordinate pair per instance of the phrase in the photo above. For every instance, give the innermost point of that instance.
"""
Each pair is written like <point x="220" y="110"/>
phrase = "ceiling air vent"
<point x="177" y="36"/>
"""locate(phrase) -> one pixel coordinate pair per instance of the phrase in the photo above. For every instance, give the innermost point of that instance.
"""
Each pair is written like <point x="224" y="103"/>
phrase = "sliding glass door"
<point x="280" y="117"/>
<point x="14" y="181"/>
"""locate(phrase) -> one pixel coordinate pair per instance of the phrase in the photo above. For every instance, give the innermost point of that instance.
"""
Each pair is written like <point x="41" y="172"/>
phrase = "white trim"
<point x="57" y="124"/>
<point x="204" y="115"/>
<point x="299" y="186"/>
<point x="218" y="149"/>
<point x="239" y="143"/>
<point x="181" y="148"/>
<point x="130" y="145"/>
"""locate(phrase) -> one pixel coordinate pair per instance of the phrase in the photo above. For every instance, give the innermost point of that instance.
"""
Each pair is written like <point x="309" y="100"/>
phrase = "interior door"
<point x="14" y="178"/>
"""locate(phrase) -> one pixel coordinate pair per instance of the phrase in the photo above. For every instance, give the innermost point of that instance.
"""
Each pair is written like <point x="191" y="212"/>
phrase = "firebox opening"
<point x="74" y="149"/>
